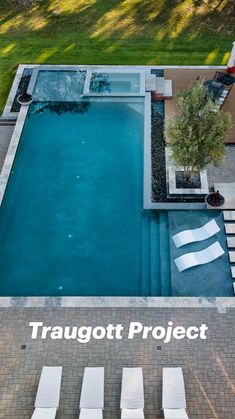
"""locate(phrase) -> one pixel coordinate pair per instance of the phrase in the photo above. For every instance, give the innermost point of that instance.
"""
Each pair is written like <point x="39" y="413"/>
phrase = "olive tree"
<point x="196" y="134"/>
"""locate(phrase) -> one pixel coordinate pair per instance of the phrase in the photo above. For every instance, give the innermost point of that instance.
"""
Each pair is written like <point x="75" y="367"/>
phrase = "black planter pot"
<point x="214" y="200"/>
<point x="24" y="99"/>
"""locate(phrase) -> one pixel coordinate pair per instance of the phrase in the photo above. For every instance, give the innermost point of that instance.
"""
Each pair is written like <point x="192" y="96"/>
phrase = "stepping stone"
<point x="231" y="241"/>
<point x="150" y="83"/>
<point x="229" y="228"/>
<point x="229" y="215"/>
<point x="231" y="257"/>
<point x="233" y="271"/>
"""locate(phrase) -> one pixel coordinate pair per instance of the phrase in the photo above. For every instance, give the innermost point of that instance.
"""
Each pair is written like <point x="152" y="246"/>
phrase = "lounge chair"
<point x="188" y="260"/>
<point x="198" y="234"/>
<point x="132" y="394"/>
<point x="92" y="394"/>
<point x="48" y="393"/>
<point x="173" y="394"/>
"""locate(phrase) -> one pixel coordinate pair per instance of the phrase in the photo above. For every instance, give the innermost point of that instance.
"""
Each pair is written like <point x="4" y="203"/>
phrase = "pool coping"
<point x="219" y="303"/>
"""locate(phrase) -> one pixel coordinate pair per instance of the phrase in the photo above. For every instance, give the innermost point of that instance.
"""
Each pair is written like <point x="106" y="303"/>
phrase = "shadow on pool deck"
<point x="210" y="280"/>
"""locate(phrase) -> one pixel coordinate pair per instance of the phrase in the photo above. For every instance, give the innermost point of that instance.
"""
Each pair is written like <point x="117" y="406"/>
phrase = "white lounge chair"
<point x="132" y="394"/>
<point x="198" y="234"/>
<point x="92" y="394"/>
<point x="48" y="393"/>
<point x="188" y="260"/>
<point x="173" y="394"/>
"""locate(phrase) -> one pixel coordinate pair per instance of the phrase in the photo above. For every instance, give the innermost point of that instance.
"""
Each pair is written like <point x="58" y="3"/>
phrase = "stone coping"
<point x="220" y="303"/>
<point x="11" y="152"/>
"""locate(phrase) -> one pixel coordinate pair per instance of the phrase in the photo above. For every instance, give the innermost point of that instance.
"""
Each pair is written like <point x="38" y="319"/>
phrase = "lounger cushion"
<point x="44" y="413"/>
<point x="92" y="394"/>
<point x="48" y="393"/>
<point x="175" y="414"/>
<point x="132" y="394"/>
<point x="91" y="414"/>
<point x="173" y="394"/>
<point x="132" y="414"/>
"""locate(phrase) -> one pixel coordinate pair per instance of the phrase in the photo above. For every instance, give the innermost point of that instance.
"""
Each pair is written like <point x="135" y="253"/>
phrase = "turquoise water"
<point x="59" y="85"/>
<point x="114" y="83"/>
<point x="71" y="218"/>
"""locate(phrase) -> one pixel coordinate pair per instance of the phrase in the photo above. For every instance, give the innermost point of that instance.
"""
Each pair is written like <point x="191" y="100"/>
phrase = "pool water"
<point x="111" y="83"/>
<point x="59" y="85"/>
<point x="71" y="217"/>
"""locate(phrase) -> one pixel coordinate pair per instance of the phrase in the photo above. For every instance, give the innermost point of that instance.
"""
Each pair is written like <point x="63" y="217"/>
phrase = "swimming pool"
<point x="72" y="220"/>
<point x="71" y="217"/>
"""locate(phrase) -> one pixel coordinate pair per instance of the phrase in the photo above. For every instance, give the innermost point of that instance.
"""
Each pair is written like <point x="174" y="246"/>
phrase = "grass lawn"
<point x="113" y="32"/>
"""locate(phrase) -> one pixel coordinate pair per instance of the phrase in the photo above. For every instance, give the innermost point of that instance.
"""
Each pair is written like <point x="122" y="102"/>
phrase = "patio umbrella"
<point x="231" y="61"/>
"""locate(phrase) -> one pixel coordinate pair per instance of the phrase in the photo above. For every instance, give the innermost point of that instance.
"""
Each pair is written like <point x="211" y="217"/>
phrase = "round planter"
<point x="209" y="206"/>
<point x="23" y="102"/>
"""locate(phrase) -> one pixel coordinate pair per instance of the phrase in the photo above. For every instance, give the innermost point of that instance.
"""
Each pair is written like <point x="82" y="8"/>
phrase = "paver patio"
<point x="208" y="366"/>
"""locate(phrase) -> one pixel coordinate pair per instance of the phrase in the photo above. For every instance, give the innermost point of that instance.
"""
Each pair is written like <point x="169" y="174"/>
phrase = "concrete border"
<point x="11" y="152"/>
<point x="219" y="303"/>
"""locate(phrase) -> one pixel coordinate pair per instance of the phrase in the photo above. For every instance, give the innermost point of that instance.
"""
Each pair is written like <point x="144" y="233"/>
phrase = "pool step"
<point x="155" y="259"/>
<point x="145" y="257"/>
<point x="165" y="273"/>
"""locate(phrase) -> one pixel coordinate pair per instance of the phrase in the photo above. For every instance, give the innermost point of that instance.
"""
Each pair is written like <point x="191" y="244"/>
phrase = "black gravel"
<point x="22" y="87"/>
<point x="159" y="184"/>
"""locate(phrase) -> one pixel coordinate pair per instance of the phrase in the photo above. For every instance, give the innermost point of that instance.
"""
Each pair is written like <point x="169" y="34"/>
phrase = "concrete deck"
<point x="208" y="366"/>
<point x="5" y="138"/>
<point x="183" y="78"/>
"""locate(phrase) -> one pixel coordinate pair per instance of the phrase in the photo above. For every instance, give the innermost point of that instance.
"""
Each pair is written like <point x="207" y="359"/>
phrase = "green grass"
<point x="113" y="32"/>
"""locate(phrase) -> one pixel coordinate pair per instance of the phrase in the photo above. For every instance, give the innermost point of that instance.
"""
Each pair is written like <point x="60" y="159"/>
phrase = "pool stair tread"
<point x="229" y="215"/>
<point x="155" y="262"/>
<point x="231" y="242"/>
<point x="229" y="228"/>
<point x="165" y="271"/>
<point x="233" y="271"/>
<point x="231" y="255"/>
<point x="145" y="257"/>
<point x="234" y="288"/>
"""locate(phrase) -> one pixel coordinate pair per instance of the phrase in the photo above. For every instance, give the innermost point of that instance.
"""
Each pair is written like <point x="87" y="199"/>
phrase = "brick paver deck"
<point x="225" y="172"/>
<point x="208" y="366"/>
